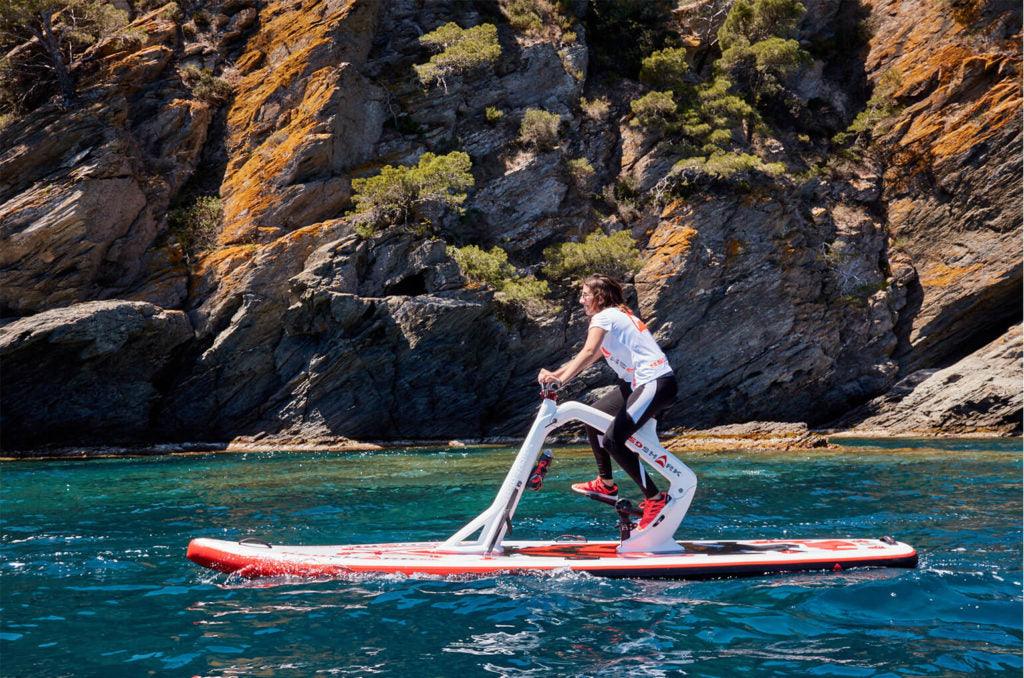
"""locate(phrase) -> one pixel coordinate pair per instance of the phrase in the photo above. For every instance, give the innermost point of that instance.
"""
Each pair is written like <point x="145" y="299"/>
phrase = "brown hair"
<point x="607" y="291"/>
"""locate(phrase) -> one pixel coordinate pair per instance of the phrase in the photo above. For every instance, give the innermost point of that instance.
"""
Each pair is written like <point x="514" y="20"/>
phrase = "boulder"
<point x="980" y="394"/>
<point x="91" y="372"/>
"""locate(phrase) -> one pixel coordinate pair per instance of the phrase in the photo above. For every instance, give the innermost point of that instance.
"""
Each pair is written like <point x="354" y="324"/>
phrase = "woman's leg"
<point x="643" y="404"/>
<point x="610" y="403"/>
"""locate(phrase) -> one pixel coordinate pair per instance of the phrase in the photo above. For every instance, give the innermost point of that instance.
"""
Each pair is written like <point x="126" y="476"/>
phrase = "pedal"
<point x="613" y="502"/>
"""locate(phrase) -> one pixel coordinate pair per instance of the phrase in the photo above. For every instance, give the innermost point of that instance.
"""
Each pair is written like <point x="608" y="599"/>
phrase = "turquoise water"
<point x="95" y="583"/>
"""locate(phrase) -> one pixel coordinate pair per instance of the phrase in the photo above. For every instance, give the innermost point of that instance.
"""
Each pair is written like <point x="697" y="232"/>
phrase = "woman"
<point x="646" y="386"/>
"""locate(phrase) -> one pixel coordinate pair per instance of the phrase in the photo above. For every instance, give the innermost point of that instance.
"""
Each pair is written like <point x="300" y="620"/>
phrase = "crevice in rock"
<point x="410" y="286"/>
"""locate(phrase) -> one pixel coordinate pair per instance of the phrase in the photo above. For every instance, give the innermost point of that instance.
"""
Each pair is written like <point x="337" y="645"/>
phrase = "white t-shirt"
<point x="629" y="347"/>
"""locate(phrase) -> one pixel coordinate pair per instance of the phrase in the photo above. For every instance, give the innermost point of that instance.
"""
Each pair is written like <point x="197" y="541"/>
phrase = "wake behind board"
<point x="699" y="559"/>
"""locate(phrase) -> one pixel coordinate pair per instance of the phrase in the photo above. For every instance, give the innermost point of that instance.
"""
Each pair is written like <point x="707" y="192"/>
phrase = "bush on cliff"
<point x="491" y="267"/>
<point x="398" y="195"/>
<point x="493" y="115"/>
<point x="527" y="293"/>
<point x="482" y="266"/>
<point x="667" y="69"/>
<point x="615" y="255"/>
<point x="596" y="109"/>
<point x="750" y="21"/>
<point x="539" y="129"/>
<point x="205" y="85"/>
<point x="654" y="109"/>
<point x="717" y="119"/>
<point x="195" y="226"/>
<point x="580" y="171"/>
<point x="537" y="18"/>
<point x="459" y="51"/>
<point x="759" y="49"/>
<point x="727" y="165"/>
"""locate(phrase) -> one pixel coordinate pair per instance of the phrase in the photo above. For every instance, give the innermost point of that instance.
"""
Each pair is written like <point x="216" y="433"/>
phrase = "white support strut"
<point x="658" y="537"/>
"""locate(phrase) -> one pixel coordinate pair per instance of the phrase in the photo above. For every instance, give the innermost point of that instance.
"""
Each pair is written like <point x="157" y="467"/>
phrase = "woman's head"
<point x="599" y="292"/>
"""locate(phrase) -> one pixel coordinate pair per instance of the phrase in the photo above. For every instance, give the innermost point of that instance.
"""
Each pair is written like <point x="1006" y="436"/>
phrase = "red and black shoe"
<point x="596" y="486"/>
<point x="651" y="508"/>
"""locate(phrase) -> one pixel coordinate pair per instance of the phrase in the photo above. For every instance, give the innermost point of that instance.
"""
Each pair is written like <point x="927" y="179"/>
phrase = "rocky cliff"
<point x="841" y="288"/>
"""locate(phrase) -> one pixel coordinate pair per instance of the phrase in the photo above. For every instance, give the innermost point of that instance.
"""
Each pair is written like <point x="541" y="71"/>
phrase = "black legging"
<point x="612" y="443"/>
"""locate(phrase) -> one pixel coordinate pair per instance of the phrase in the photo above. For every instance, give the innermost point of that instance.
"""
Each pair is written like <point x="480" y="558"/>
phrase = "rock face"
<point x="759" y="319"/>
<point x="790" y="299"/>
<point x="106" y="356"/>
<point x="953" y="171"/>
<point x="978" y="394"/>
<point x="83" y="195"/>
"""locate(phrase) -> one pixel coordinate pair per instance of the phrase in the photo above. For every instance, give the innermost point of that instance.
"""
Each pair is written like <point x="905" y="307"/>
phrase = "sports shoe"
<point x="651" y="508"/>
<point x="596" y="486"/>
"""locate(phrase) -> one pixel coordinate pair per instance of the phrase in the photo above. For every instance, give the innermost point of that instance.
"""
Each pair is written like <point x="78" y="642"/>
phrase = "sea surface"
<point x="94" y="580"/>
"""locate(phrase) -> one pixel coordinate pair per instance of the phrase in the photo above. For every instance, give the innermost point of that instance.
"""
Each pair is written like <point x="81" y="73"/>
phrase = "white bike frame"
<point x="658" y="537"/>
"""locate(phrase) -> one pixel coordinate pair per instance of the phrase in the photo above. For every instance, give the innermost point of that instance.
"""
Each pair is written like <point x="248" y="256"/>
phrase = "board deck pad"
<point x="699" y="559"/>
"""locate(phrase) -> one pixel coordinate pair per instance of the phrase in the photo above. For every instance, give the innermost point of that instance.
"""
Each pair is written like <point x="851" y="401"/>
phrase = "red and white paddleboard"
<point x="651" y="551"/>
<point x="699" y="559"/>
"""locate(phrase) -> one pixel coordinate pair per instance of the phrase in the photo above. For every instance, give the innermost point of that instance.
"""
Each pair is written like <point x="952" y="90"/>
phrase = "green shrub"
<point x="759" y="52"/>
<point x="615" y="255"/>
<point x="493" y="115"/>
<point x="397" y="194"/>
<point x="666" y="69"/>
<point x="761" y="70"/>
<point x="42" y="42"/>
<point x="525" y="16"/>
<point x="717" y="117"/>
<point x="205" y="85"/>
<point x="491" y="267"/>
<point x="539" y="128"/>
<point x="728" y="165"/>
<point x="526" y="292"/>
<point x="653" y="109"/>
<point x="482" y="266"/>
<point x="596" y="109"/>
<point x="538" y="18"/>
<point x="581" y="171"/>
<point x="459" y="51"/>
<point x="196" y="225"/>
<point x="750" y="21"/>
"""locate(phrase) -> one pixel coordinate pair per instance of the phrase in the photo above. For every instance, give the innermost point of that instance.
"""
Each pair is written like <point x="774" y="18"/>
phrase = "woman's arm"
<point x="587" y="356"/>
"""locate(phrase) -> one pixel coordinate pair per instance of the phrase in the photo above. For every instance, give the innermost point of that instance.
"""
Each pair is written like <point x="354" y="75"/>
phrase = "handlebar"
<point x="550" y="391"/>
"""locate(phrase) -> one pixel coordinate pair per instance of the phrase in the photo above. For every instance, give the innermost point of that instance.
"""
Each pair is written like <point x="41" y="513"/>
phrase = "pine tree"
<point x="41" y="41"/>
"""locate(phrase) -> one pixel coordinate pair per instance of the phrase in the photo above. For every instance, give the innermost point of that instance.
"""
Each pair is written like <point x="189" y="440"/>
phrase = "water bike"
<point x="480" y="547"/>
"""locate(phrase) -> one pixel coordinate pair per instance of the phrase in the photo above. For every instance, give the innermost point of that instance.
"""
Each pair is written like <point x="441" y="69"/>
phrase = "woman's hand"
<point x="547" y="377"/>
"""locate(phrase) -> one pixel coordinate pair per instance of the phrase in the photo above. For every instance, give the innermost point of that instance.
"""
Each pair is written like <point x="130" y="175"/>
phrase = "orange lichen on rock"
<point x="285" y="90"/>
<point x="939" y="67"/>
<point x="672" y="208"/>
<point x="938" y="274"/>
<point x="733" y="248"/>
<point x="998" y="107"/>
<point x="667" y="249"/>
<point x="225" y="257"/>
<point x="158" y="24"/>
